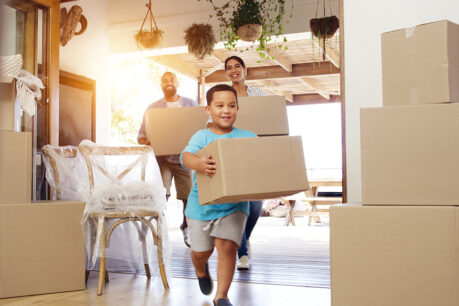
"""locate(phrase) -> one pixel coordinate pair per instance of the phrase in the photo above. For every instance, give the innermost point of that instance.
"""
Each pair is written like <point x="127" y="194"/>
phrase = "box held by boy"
<point x="253" y="169"/>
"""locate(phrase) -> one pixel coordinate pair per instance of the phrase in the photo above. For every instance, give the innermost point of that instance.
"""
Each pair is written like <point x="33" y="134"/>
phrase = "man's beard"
<point x="169" y="92"/>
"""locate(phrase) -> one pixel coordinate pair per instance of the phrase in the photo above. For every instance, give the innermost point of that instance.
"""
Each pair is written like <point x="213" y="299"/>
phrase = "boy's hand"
<point x="207" y="165"/>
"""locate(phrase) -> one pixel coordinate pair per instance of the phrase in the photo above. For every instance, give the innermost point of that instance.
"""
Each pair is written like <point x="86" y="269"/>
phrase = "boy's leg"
<point x="199" y="260"/>
<point x="226" y="261"/>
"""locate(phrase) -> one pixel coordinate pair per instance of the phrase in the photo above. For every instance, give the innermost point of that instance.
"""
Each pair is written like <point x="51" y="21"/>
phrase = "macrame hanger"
<point x="152" y="18"/>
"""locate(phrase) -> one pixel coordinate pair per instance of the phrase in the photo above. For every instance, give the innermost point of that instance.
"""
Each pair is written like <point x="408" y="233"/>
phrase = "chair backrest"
<point x="113" y="164"/>
<point x="60" y="164"/>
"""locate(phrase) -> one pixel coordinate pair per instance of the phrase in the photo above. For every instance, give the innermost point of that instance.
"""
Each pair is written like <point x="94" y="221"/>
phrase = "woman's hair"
<point x="216" y="88"/>
<point x="237" y="58"/>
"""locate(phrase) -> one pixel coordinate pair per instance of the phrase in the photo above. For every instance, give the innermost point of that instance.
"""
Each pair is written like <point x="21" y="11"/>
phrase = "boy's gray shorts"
<point x="202" y="233"/>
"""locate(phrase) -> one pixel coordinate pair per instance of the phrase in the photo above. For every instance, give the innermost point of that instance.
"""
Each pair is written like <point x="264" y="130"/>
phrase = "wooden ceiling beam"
<point x="178" y="65"/>
<point x="314" y="99"/>
<point x="330" y="53"/>
<point x="316" y="86"/>
<point x="277" y="72"/>
<point x="279" y="58"/>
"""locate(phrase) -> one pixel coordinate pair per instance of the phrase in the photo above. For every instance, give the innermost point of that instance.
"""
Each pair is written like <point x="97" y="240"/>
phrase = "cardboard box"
<point x="420" y="65"/>
<point x="170" y="129"/>
<point x="397" y="256"/>
<point x="41" y="248"/>
<point x="253" y="169"/>
<point x="7" y="97"/>
<point x="410" y="155"/>
<point x="265" y="115"/>
<point x="15" y="167"/>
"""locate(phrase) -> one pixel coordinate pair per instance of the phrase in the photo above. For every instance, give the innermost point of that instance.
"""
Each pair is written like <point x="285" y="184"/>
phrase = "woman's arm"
<point x="205" y="165"/>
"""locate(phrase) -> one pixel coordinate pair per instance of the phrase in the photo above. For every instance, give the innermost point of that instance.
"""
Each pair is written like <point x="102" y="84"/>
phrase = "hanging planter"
<point x="250" y="32"/>
<point x="251" y="20"/>
<point x="200" y="39"/>
<point x="324" y="28"/>
<point x="152" y="38"/>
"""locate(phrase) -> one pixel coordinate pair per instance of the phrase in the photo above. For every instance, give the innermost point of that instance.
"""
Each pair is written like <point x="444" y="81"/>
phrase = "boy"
<point x="219" y="225"/>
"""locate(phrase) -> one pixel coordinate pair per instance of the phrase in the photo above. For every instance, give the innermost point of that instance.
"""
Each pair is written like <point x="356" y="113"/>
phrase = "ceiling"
<point x="299" y="73"/>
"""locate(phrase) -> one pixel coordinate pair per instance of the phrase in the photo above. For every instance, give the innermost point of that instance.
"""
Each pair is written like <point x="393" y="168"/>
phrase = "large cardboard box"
<point x="15" y="167"/>
<point x="397" y="256"/>
<point x="41" y="248"/>
<point x="253" y="169"/>
<point x="170" y="129"/>
<point x="420" y="65"/>
<point x="7" y="97"/>
<point x="410" y="155"/>
<point x="265" y="115"/>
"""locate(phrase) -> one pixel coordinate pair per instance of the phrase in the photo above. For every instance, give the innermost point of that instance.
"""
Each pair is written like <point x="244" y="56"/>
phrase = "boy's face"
<point x="223" y="110"/>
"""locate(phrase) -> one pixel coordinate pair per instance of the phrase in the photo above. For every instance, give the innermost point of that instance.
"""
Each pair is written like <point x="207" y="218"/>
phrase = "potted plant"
<point x="250" y="20"/>
<point x="149" y="39"/>
<point x="200" y="39"/>
<point x="324" y="27"/>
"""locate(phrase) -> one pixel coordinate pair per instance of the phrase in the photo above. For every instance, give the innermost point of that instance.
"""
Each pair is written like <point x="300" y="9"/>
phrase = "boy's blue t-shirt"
<point x="210" y="212"/>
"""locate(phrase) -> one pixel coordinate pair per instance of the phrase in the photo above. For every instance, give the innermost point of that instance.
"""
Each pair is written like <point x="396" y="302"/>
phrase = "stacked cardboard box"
<point x="401" y="247"/>
<point x="41" y="244"/>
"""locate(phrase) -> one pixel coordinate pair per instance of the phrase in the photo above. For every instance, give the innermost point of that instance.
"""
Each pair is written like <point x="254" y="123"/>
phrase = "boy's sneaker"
<point x="243" y="263"/>
<point x="205" y="283"/>
<point x="222" y="302"/>
<point x="186" y="236"/>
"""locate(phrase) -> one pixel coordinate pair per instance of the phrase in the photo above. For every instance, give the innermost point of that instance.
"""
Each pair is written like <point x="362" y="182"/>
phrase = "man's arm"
<point x="205" y="165"/>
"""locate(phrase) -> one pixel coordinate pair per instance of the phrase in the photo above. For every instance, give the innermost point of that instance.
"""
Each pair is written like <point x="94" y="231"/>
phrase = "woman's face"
<point x="234" y="71"/>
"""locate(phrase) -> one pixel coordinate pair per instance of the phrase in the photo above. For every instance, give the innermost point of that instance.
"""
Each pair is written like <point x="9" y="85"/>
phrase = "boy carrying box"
<point x="221" y="225"/>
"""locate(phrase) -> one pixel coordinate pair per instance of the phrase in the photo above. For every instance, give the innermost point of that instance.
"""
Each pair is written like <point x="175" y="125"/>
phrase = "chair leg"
<point x="86" y="276"/>
<point x="107" y="279"/>
<point x="143" y="235"/>
<point x="159" y="245"/>
<point x="103" y="259"/>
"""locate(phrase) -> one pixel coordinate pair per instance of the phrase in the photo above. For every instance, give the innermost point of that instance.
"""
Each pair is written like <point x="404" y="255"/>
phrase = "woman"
<point x="236" y="71"/>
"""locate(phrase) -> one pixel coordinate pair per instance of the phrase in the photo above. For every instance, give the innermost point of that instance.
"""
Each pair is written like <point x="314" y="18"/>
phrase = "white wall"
<point x="87" y="55"/>
<point x="364" y="21"/>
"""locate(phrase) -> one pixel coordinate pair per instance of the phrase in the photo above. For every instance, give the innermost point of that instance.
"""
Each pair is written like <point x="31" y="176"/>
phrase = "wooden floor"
<point x="125" y="289"/>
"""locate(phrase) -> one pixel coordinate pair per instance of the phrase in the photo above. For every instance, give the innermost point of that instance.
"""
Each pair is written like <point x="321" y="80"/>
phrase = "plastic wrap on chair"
<point x="60" y="163"/>
<point x="125" y="204"/>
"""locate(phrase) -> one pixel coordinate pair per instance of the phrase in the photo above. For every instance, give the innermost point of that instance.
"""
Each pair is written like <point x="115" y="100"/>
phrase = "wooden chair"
<point x="100" y="218"/>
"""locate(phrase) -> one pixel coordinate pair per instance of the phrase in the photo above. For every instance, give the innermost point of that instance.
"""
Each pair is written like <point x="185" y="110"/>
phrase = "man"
<point x="170" y="166"/>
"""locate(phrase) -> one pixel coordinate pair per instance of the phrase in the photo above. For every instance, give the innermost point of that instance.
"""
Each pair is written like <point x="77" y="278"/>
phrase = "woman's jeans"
<point x="254" y="212"/>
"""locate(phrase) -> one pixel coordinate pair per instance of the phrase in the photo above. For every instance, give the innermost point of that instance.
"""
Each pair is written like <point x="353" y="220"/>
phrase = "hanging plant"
<point x="149" y="39"/>
<point x="251" y="20"/>
<point x="324" y="27"/>
<point x="200" y="39"/>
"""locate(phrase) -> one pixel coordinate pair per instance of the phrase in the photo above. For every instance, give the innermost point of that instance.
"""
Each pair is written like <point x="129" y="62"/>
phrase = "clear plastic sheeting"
<point x="124" y="221"/>
<point x="60" y="165"/>
<point x="125" y="208"/>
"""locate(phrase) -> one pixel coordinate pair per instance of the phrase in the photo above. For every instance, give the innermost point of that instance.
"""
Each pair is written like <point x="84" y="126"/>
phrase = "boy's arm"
<point x="205" y="165"/>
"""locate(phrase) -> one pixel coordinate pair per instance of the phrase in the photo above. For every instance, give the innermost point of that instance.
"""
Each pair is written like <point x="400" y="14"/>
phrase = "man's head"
<point x="169" y="84"/>
<point x="222" y="106"/>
